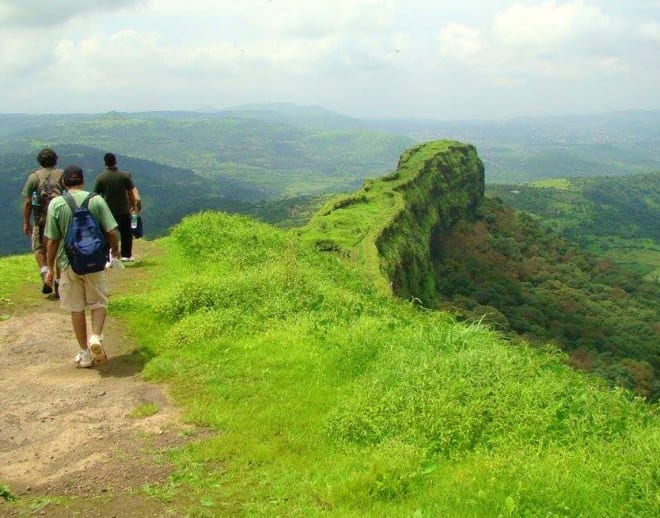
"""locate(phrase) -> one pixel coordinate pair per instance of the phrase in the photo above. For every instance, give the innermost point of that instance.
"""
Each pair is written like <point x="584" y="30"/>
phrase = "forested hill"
<point x="612" y="216"/>
<point x="265" y="159"/>
<point x="427" y="232"/>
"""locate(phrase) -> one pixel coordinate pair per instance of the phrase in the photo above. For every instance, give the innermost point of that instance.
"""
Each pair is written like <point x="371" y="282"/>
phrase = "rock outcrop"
<point x="387" y="226"/>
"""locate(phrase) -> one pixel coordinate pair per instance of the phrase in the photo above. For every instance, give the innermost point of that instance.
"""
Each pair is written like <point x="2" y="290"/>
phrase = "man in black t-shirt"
<point x="121" y="195"/>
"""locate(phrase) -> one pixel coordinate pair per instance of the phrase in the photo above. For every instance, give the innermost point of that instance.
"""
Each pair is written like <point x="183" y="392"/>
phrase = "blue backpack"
<point x="84" y="243"/>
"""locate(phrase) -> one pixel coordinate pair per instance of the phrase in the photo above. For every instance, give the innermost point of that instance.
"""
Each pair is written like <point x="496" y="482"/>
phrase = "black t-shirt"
<point x="114" y="186"/>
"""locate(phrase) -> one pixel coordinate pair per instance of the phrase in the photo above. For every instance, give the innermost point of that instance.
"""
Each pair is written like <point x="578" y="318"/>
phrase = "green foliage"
<point x="290" y="212"/>
<point x="549" y="290"/>
<point x="614" y="217"/>
<point x="333" y="399"/>
<point x="625" y="207"/>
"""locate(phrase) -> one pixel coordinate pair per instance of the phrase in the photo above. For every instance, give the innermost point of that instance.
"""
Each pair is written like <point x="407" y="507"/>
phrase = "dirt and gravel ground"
<point x="68" y="443"/>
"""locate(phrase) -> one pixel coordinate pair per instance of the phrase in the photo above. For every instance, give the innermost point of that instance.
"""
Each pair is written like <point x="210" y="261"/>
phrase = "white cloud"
<point x="650" y="31"/>
<point x="548" y="23"/>
<point x="458" y="41"/>
<point x="297" y="18"/>
<point x="312" y="19"/>
<point x="612" y="65"/>
<point x="49" y="12"/>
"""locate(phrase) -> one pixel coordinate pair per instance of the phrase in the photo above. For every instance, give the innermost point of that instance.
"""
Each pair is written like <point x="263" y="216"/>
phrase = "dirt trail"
<point x="66" y="431"/>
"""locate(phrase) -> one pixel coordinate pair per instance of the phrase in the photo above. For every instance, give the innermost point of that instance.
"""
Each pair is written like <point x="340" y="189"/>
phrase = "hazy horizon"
<point x="266" y="106"/>
<point x="367" y="59"/>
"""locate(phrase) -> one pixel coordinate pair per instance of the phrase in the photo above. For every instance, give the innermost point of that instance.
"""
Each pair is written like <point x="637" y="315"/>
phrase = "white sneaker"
<point x="95" y="345"/>
<point x="84" y="358"/>
<point x="128" y="259"/>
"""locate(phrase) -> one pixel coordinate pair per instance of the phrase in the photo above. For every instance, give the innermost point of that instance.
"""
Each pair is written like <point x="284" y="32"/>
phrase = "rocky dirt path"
<point x="67" y="437"/>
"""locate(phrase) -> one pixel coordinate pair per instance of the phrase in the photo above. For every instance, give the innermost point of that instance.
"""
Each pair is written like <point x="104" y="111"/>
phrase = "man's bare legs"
<point x="40" y="256"/>
<point x="80" y="325"/>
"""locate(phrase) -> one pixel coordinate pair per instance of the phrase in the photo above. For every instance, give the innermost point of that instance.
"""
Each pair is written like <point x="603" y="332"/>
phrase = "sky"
<point x="430" y="59"/>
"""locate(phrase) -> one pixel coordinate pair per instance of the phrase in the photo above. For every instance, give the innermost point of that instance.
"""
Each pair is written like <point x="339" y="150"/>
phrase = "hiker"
<point x="121" y="195"/>
<point x="78" y="292"/>
<point x="41" y="186"/>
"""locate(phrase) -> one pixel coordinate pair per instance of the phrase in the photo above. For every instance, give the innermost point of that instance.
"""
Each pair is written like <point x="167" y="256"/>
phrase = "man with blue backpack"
<point x="77" y="227"/>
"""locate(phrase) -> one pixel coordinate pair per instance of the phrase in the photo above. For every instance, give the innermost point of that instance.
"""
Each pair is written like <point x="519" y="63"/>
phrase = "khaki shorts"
<point x="78" y="292"/>
<point x="37" y="242"/>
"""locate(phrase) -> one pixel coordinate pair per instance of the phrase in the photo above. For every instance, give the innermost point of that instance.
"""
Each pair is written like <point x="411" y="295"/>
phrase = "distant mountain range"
<point x="229" y="159"/>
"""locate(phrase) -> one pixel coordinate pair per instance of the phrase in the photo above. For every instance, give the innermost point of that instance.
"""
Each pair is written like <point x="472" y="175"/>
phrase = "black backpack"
<point x="84" y="243"/>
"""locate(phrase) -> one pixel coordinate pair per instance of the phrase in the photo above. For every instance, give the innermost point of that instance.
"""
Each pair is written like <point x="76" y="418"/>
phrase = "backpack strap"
<point x="72" y="205"/>
<point x="71" y="202"/>
<point x="85" y="202"/>
<point x="39" y="173"/>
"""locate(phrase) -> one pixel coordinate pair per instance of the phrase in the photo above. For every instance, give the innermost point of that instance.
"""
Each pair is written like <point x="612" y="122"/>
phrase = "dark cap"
<point x="72" y="175"/>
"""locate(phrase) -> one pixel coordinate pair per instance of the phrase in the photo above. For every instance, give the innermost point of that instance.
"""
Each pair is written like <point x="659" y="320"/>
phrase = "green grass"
<point x="332" y="399"/>
<point x="20" y="282"/>
<point x="144" y="410"/>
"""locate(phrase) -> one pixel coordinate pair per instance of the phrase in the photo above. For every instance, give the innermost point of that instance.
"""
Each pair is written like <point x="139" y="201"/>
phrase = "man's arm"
<point x="51" y="254"/>
<point x="113" y="240"/>
<point x="134" y="199"/>
<point x="27" y="212"/>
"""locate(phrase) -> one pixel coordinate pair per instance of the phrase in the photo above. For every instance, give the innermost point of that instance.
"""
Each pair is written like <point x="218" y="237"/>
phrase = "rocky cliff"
<point x="387" y="226"/>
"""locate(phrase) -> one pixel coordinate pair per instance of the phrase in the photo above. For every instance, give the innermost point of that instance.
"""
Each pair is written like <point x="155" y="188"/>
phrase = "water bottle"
<point x="35" y="199"/>
<point x="134" y="219"/>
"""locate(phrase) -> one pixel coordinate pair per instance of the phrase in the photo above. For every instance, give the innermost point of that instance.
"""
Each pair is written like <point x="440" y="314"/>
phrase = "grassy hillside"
<point x="254" y="154"/>
<point x="330" y="397"/>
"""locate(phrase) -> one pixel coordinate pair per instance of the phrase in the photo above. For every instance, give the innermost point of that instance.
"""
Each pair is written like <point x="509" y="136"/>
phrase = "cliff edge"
<point x="387" y="226"/>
